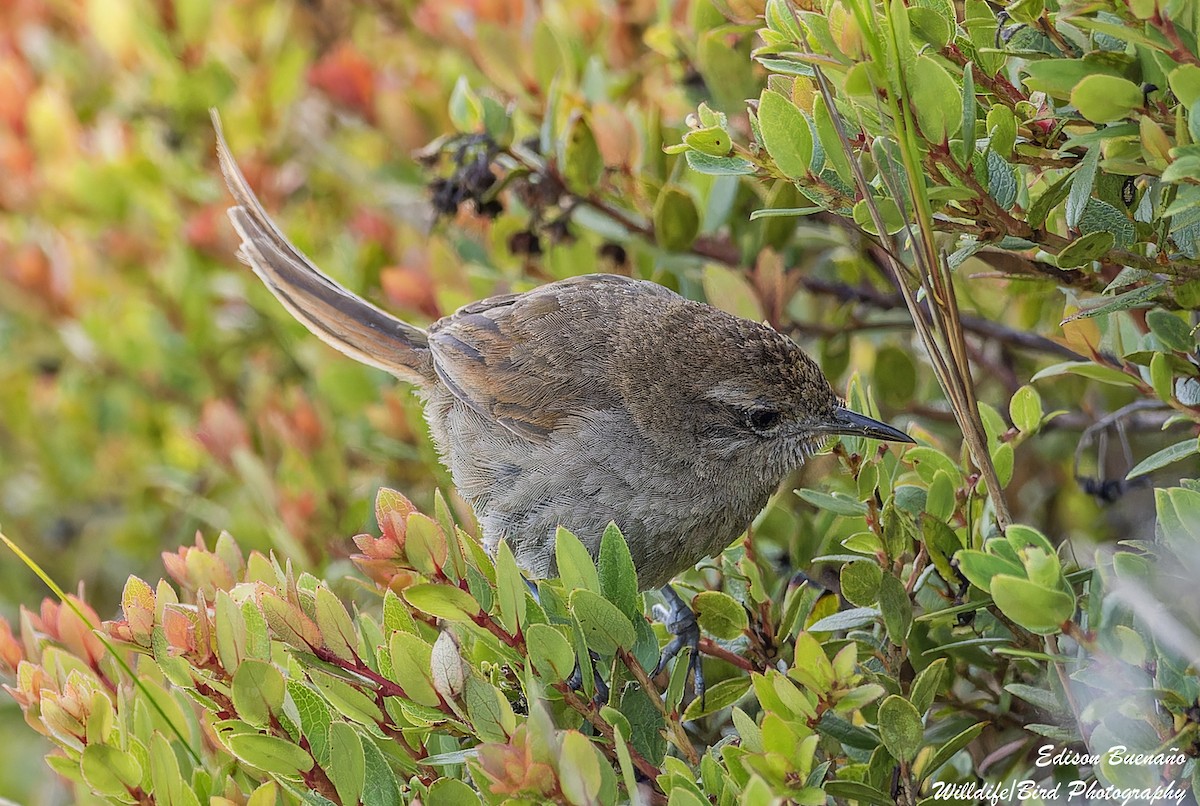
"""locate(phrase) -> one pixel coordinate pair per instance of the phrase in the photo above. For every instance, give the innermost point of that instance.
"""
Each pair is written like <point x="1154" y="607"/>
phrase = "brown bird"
<point x="589" y="400"/>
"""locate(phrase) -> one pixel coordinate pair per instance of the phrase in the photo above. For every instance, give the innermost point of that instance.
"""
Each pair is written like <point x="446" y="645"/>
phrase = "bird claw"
<point x="680" y="621"/>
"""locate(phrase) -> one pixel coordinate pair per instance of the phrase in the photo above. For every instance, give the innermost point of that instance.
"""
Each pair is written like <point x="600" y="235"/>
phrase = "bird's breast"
<point x="596" y="467"/>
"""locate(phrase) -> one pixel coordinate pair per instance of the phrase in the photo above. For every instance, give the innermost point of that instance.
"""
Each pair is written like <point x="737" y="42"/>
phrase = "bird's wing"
<point x="527" y="361"/>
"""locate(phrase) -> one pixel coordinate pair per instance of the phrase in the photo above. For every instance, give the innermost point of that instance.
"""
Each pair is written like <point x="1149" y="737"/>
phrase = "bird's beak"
<point x="851" y="423"/>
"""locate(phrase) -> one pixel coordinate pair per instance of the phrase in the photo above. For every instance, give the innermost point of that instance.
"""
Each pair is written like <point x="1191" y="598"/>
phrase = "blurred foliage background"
<point x="150" y="388"/>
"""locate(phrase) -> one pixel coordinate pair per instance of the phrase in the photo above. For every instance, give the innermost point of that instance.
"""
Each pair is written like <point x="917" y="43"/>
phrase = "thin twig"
<point x="957" y="384"/>
<point x="678" y="735"/>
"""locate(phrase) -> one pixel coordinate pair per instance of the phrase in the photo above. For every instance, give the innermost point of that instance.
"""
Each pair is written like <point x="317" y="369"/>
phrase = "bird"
<point x="594" y="399"/>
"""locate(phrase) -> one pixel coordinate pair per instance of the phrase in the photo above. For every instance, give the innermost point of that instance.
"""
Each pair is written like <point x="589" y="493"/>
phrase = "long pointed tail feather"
<point x="341" y="319"/>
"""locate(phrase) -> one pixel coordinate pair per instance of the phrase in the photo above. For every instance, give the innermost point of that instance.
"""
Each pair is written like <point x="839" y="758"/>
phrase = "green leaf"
<point x="1057" y="77"/>
<point x="396" y="615"/>
<point x="845" y="620"/>
<point x="889" y="213"/>
<point x="1039" y="609"/>
<point x="451" y="792"/>
<point x="1085" y="249"/>
<point x="847" y="733"/>
<point x="927" y="684"/>
<point x="1168" y="455"/>
<point x="1036" y="696"/>
<point x="347" y="766"/>
<point x="270" y="754"/>
<point x="578" y="769"/>
<point x="941" y="499"/>
<point x="1119" y="31"/>
<point x="936" y="100"/>
<point x="787" y="67"/>
<point x="258" y="689"/>
<point x="110" y="772"/>
<point x="337" y="630"/>
<point x="550" y="651"/>
<point x="1100" y="216"/>
<point x="379" y="788"/>
<point x="784" y="212"/>
<point x="1185" y="84"/>
<point x="489" y="711"/>
<point x="1137" y="298"/>
<point x="1086" y="369"/>
<point x="900" y="728"/>
<point x="928" y="461"/>
<point x="779" y="18"/>
<point x="1083" y="179"/>
<point x="1179" y="521"/>
<point x="1105" y="99"/>
<point x="676" y="219"/>
<point x="948" y="750"/>
<point x="1173" y="332"/>
<point x="1002" y="180"/>
<point x="646" y="722"/>
<point x="1048" y="199"/>
<point x="969" y="104"/>
<point x="929" y="26"/>
<point x="1182" y="169"/>
<point x="442" y="601"/>
<point x="786" y="134"/>
<point x="831" y="144"/>
<point x="860" y="582"/>
<point x="412" y="667"/>
<point x="1162" y="378"/>
<point x="811" y="667"/>
<point x="719" y="166"/>
<point x="605" y="627"/>
<point x="720" y="614"/>
<point x="346" y="699"/>
<point x="1027" y="11"/>
<point x="229" y="629"/>
<point x="980" y="568"/>
<point x="581" y="163"/>
<point x="1020" y="536"/>
<point x="896" y="608"/>
<point x="424" y="544"/>
<point x="859" y="696"/>
<point x="1025" y="409"/>
<point x="1002" y="129"/>
<point x="465" y="111"/>
<point x="857" y="791"/>
<point x="711" y="140"/>
<point x="312" y="714"/>
<point x="166" y="782"/>
<point x="722" y="695"/>
<point x="575" y="565"/>
<point x="510" y="589"/>
<point x="837" y="503"/>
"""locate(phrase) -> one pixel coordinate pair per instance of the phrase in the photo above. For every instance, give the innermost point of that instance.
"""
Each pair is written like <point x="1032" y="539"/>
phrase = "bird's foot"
<point x="680" y="621"/>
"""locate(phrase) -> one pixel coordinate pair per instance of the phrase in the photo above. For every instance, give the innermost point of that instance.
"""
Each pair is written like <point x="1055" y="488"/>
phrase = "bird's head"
<point x="756" y="401"/>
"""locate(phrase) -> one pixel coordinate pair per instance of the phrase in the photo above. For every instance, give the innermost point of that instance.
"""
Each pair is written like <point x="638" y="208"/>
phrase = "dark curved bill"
<point x="851" y="423"/>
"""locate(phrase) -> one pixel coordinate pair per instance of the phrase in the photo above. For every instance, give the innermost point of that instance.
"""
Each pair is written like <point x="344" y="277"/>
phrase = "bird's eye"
<point x="763" y="420"/>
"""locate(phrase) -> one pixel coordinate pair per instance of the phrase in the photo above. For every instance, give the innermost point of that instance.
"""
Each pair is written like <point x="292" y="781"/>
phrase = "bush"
<point x="973" y="613"/>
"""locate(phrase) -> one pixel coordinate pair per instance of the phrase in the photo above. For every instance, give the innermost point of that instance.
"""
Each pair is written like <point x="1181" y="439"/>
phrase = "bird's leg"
<point x="680" y="621"/>
<point x="575" y="681"/>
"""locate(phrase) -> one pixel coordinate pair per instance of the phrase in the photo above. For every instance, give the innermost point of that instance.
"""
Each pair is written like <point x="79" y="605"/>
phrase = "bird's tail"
<point x="341" y="319"/>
